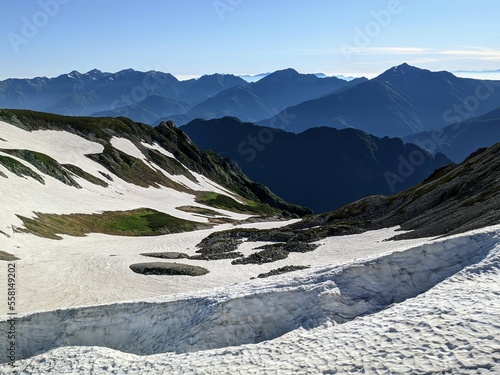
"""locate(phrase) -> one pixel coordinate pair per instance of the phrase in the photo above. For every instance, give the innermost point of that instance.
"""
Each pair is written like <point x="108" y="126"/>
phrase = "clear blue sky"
<point x="194" y="37"/>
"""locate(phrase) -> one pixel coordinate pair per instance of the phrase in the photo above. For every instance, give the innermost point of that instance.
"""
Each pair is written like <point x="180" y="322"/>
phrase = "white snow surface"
<point x="430" y="308"/>
<point x="366" y="305"/>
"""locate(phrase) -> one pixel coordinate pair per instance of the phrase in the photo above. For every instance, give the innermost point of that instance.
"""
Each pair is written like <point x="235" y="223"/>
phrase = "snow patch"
<point x="157" y="147"/>
<point x="126" y="146"/>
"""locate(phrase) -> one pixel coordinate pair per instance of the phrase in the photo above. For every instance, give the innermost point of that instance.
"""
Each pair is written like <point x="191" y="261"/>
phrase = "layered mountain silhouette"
<point x="141" y="95"/>
<point x="459" y="140"/>
<point x="321" y="168"/>
<point x="266" y="97"/>
<point x="148" y="110"/>
<point x="403" y="100"/>
<point x="152" y="96"/>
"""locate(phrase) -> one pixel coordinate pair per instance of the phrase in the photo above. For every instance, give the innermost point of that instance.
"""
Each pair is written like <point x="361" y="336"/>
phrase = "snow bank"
<point x="257" y="311"/>
<point x="125" y="145"/>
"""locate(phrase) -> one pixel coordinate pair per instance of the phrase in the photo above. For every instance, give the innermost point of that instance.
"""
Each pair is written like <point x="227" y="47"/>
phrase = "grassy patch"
<point x="133" y="170"/>
<point x="90" y="127"/>
<point x="198" y="210"/>
<point x="86" y="176"/>
<point x="7" y="257"/>
<point x="44" y="164"/>
<point x="227" y="203"/>
<point x="139" y="222"/>
<point x="20" y="169"/>
<point x="169" y="165"/>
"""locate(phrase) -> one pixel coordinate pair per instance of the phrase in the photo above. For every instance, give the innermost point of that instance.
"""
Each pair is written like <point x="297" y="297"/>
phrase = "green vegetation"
<point x="7" y="257"/>
<point x="169" y="165"/>
<point x="44" y="164"/>
<point x="133" y="170"/>
<point x="198" y="210"/>
<point x="20" y="169"/>
<point x="227" y="203"/>
<point x="89" y="127"/>
<point x="139" y="222"/>
<point x="86" y="176"/>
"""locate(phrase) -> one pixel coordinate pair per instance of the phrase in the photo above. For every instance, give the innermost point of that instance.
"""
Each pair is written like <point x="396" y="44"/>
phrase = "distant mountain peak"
<point x="403" y="71"/>
<point x="405" y="68"/>
<point x="284" y="75"/>
<point x="93" y="72"/>
<point x="287" y="71"/>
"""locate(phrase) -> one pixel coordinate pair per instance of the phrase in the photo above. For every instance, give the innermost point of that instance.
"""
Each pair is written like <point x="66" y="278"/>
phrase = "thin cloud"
<point x="428" y="55"/>
<point x="394" y="50"/>
<point x="476" y="52"/>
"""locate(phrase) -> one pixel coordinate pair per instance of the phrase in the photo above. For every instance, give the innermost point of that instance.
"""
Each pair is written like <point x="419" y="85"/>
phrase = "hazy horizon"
<point x="51" y="37"/>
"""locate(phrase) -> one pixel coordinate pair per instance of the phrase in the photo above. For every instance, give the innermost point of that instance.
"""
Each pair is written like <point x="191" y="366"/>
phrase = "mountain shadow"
<point x="321" y="168"/>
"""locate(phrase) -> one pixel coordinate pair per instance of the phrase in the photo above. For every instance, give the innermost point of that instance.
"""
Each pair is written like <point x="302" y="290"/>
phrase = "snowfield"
<point x="427" y="309"/>
<point x="365" y="305"/>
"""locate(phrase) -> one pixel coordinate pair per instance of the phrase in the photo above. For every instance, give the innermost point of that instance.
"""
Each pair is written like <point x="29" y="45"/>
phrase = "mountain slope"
<point x="149" y="110"/>
<point x="161" y="156"/>
<point x="403" y="100"/>
<point x="322" y="168"/>
<point x="206" y="86"/>
<point x="455" y="199"/>
<point x="461" y="139"/>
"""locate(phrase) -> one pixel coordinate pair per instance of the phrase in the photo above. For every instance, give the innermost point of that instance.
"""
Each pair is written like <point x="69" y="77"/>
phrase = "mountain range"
<point x="459" y="140"/>
<point x="266" y="97"/>
<point x="403" y="100"/>
<point x="437" y="111"/>
<point x="320" y="168"/>
<point x="152" y="97"/>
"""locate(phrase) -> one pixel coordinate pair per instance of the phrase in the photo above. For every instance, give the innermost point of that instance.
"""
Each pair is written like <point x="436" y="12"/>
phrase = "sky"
<point x="189" y="38"/>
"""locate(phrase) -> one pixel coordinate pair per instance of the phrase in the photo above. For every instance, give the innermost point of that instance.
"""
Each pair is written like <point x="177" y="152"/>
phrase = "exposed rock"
<point x="168" y="269"/>
<point x="279" y="271"/>
<point x="166" y="255"/>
